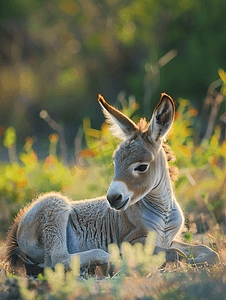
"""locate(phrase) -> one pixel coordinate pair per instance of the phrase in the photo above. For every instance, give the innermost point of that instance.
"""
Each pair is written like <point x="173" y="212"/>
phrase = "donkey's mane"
<point x="170" y="156"/>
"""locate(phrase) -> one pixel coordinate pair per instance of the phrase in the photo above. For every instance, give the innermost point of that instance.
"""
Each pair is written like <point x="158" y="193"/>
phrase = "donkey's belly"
<point x="71" y="239"/>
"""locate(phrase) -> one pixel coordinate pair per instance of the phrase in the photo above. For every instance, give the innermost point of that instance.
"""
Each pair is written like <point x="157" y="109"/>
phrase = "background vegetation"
<point x="59" y="55"/>
<point x="56" y="56"/>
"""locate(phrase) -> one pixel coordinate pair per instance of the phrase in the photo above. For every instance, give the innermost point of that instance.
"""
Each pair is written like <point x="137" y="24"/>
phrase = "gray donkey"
<point x="53" y="229"/>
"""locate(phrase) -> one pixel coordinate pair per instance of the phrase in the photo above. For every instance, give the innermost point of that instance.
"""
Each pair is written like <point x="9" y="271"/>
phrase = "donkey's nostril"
<point x="119" y="198"/>
<point x="114" y="198"/>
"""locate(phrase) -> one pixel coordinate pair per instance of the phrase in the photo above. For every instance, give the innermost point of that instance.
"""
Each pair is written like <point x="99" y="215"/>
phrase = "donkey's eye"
<point x="141" y="168"/>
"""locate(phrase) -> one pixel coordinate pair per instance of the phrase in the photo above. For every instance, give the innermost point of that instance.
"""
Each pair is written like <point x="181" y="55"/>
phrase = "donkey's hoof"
<point x="214" y="258"/>
<point x="210" y="259"/>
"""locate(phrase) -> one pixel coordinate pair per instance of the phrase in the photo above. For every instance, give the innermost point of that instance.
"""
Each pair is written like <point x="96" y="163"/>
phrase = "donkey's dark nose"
<point x="114" y="199"/>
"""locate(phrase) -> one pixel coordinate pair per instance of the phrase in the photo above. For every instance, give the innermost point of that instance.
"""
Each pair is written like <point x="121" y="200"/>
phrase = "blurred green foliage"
<point x="187" y="236"/>
<point x="10" y="137"/>
<point x="58" y="55"/>
<point x="138" y="258"/>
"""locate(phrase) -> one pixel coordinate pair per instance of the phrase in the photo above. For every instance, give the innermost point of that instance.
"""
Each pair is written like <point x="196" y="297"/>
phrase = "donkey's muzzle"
<point x="118" y="195"/>
<point x="116" y="201"/>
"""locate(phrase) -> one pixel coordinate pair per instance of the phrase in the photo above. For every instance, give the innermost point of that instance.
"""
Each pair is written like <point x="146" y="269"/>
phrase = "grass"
<point x="140" y="277"/>
<point x="200" y="189"/>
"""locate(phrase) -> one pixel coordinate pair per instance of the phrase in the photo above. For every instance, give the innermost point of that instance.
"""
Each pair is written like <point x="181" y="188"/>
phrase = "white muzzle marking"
<point x="119" y="190"/>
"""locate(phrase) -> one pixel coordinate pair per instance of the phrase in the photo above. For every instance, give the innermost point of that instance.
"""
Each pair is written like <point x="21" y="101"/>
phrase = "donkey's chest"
<point x="90" y="227"/>
<point x="165" y="224"/>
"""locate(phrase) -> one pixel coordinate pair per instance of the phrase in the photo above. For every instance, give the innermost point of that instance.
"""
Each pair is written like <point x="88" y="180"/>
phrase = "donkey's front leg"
<point x="54" y="240"/>
<point x="92" y="257"/>
<point x="56" y="251"/>
<point x="202" y="253"/>
<point x="172" y="254"/>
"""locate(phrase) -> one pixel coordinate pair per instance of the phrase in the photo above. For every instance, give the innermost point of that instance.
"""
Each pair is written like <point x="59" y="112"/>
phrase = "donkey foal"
<point x="52" y="229"/>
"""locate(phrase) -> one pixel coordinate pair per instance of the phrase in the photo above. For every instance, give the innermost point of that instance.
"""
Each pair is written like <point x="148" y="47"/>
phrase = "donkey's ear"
<point x="162" y="118"/>
<point x="121" y="126"/>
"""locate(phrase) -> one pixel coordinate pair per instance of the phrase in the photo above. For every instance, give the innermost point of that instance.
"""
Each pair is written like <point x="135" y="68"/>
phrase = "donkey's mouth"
<point x="123" y="205"/>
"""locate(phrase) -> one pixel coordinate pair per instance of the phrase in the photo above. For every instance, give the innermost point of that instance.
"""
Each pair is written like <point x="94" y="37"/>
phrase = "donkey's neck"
<point x="161" y="212"/>
<point x="161" y="196"/>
